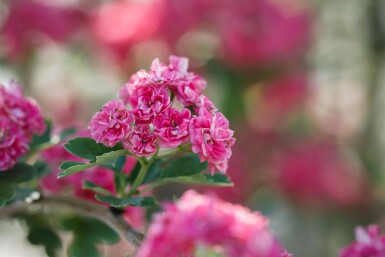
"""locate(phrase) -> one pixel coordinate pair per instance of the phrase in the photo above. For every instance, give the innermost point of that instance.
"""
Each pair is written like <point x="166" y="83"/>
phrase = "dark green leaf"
<point x="21" y="172"/>
<point x="90" y="230"/>
<point x="134" y="173"/>
<point x="47" y="237"/>
<point x="41" y="169"/>
<point x="71" y="167"/>
<point x="95" y="188"/>
<point x="7" y="193"/>
<point x="87" y="148"/>
<point x="119" y="163"/>
<point x="217" y="179"/>
<point x="110" y="156"/>
<point x="153" y="172"/>
<point x="66" y="133"/>
<point x="82" y="248"/>
<point x="44" y="138"/>
<point x="124" y="202"/>
<point x="185" y="165"/>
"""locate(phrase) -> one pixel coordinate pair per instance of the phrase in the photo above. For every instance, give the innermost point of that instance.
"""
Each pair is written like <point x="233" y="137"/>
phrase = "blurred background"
<point x="302" y="82"/>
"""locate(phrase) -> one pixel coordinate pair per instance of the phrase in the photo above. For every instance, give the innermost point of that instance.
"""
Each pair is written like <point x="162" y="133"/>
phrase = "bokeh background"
<point x="302" y="82"/>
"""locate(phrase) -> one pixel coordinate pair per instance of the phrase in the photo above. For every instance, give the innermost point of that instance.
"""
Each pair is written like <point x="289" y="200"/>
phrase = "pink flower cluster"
<point x="20" y="118"/>
<point x="368" y="243"/>
<point x="153" y="115"/>
<point x="198" y="220"/>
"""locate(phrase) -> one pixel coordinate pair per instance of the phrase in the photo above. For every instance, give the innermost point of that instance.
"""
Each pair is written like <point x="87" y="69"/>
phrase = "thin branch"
<point x="82" y="207"/>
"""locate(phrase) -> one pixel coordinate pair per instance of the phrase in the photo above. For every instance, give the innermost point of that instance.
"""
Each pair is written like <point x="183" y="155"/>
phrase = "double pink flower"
<point x="151" y="119"/>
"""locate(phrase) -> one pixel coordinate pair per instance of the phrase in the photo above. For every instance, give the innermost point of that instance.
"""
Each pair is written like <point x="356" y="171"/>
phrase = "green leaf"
<point x="134" y="173"/>
<point x="185" y="165"/>
<point x="66" y="133"/>
<point x="47" y="237"/>
<point x="41" y="169"/>
<point x="95" y="188"/>
<point x="90" y="230"/>
<point x="87" y="148"/>
<point x="153" y="172"/>
<point x="119" y="163"/>
<point x="21" y="172"/>
<point x="218" y="179"/>
<point x="7" y="193"/>
<point x="71" y="167"/>
<point x="44" y="138"/>
<point x="110" y="156"/>
<point x="87" y="234"/>
<point x="124" y="202"/>
<point x="40" y="232"/>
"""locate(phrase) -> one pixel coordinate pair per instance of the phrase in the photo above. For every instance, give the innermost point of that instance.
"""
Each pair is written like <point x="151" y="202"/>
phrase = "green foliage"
<point x="9" y="180"/>
<point x="87" y="234"/>
<point x="127" y="201"/>
<point x="71" y="167"/>
<point x="87" y="148"/>
<point x="40" y="232"/>
<point x="95" y="188"/>
<point x="185" y="165"/>
<point x="38" y="140"/>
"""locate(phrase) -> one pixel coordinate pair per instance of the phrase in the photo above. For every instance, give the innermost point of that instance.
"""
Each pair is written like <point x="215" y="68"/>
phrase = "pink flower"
<point x="141" y="142"/>
<point x="30" y="23"/>
<point x="13" y="144"/>
<point x="316" y="172"/>
<point x="202" y="221"/>
<point x="172" y="127"/>
<point x="112" y="124"/>
<point x="368" y="243"/>
<point x="262" y="32"/>
<point x="147" y="102"/>
<point x="22" y="111"/>
<point x="212" y="139"/>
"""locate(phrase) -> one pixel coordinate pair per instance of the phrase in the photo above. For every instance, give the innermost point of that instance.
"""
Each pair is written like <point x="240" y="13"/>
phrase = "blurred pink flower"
<point x="30" y="22"/>
<point x="22" y="111"/>
<point x="212" y="139"/>
<point x="198" y="220"/>
<point x="172" y="127"/>
<point x="141" y="141"/>
<point x="262" y="32"/>
<point x="112" y="124"/>
<point x="20" y="118"/>
<point x="13" y="143"/>
<point x="369" y="243"/>
<point x="316" y="172"/>
<point x="286" y="254"/>
<point x="119" y="25"/>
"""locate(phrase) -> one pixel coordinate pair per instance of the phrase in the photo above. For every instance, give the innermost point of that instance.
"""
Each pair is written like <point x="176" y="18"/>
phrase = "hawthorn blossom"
<point x="369" y="243"/>
<point x="13" y="143"/>
<point x="212" y="139"/>
<point x="172" y="127"/>
<point x="147" y="102"/>
<point x="22" y="111"/>
<point x="112" y="124"/>
<point x="141" y="141"/>
<point x="198" y="220"/>
<point x="20" y="118"/>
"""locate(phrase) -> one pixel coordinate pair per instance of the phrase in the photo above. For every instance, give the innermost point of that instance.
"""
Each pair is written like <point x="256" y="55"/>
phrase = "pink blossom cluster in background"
<point x="73" y="184"/>
<point x="248" y="32"/>
<point x="20" y="118"/>
<point x="165" y="104"/>
<point x="369" y="243"/>
<point x="204" y="221"/>
<point x="31" y="23"/>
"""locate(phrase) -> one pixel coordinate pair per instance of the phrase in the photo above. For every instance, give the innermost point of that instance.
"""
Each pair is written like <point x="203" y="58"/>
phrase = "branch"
<point x="102" y="213"/>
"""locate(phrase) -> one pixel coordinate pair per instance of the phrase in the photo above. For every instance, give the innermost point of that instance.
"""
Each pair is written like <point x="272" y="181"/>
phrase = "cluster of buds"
<point x="165" y="108"/>
<point x="20" y="118"/>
